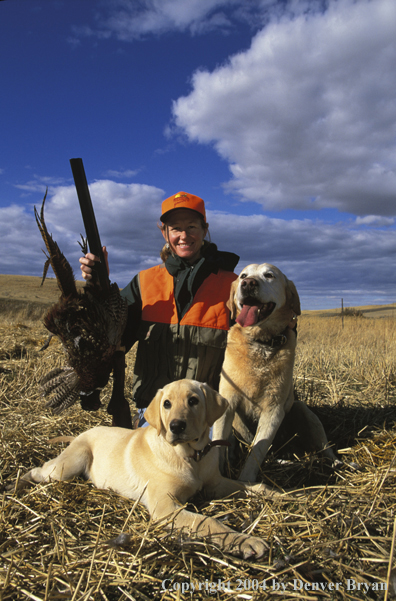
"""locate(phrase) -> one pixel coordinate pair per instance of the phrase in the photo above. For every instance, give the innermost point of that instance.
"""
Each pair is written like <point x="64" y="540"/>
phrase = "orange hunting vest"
<point x="209" y="305"/>
<point x="170" y="349"/>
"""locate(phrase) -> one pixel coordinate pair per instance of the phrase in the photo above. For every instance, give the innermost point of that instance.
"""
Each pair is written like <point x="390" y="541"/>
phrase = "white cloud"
<point x="326" y="261"/>
<point x="126" y="214"/>
<point x="306" y="117"/>
<point x="19" y="242"/>
<point x="375" y="220"/>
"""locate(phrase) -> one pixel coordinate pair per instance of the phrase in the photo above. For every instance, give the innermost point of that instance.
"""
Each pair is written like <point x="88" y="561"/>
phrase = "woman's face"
<point x="184" y="233"/>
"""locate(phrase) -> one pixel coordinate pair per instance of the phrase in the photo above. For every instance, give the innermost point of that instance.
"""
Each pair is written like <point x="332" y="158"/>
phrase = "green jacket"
<point x="172" y="351"/>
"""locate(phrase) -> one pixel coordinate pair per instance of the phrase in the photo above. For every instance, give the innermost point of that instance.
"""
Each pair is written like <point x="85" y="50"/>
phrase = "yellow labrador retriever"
<point x="257" y="373"/>
<point x="162" y="465"/>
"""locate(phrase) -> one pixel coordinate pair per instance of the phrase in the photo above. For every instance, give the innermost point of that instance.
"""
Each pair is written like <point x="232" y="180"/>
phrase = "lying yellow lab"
<point x="162" y="465"/>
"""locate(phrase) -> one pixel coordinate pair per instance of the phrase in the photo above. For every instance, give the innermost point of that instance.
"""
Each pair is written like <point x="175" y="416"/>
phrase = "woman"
<point x="177" y="311"/>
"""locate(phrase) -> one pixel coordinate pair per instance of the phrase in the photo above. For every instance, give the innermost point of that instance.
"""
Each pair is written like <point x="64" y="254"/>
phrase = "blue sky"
<point x="280" y="114"/>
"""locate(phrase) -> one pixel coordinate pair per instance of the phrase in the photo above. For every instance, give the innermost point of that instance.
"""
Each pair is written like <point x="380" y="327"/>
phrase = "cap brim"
<point x="166" y="215"/>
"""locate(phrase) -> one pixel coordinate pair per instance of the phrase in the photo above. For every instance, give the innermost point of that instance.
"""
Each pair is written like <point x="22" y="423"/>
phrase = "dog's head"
<point x="259" y="292"/>
<point x="184" y="410"/>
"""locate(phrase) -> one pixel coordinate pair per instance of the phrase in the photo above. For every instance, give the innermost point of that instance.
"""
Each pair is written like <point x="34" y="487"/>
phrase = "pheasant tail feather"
<point x="65" y="384"/>
<point x="60" y="265"/>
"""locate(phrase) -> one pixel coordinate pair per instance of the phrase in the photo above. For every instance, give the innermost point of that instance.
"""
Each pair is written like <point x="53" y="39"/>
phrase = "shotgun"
<point x="91" y="228"/>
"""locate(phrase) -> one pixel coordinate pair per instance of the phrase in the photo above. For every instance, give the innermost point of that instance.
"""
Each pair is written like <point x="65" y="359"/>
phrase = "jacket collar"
<point x="212" y="259"/>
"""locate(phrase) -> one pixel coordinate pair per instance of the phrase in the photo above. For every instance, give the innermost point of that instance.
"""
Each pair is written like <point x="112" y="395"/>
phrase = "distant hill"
<point x="27" y="289"/>
<point x="371" y="311"/>
<point x="22" y="296"/>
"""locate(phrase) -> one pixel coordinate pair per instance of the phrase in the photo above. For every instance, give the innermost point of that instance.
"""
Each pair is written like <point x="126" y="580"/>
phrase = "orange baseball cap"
<point x="183" y="200"/>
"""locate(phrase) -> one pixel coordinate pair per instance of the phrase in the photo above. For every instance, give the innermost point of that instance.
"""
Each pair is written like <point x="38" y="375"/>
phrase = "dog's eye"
<point x="193" y="401"/>
<point x="269" y="275"/>
<point x="167" y="404"/>
<point x="242" y="276"/>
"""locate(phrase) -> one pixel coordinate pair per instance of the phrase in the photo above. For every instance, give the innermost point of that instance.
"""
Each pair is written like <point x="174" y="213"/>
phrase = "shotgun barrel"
<point x="91" y="228"/>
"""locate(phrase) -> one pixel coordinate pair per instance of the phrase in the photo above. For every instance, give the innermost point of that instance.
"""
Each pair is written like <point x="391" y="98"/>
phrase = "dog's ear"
<point x="215" y="404"/>
<point x="153" y="412"/>
<point x="231" y="301"/>
<point x="293" y="297"/>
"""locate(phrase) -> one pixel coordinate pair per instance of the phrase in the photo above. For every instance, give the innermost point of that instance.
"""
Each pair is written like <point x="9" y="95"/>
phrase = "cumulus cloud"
<point x="19" y="242"/>
<point x="327" y="262"/>
<point x="306" y="117"/>
<point x="375" y="220"/>
<point x="126" y="214"/>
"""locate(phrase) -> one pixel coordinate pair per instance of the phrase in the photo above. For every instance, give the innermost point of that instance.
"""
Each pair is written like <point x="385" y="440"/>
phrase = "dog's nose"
<point x="249" y="284"/>
<point x="177" y="426"/>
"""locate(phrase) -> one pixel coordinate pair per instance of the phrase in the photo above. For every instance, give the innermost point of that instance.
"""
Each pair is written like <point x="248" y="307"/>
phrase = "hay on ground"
<point x="333" y="541"/>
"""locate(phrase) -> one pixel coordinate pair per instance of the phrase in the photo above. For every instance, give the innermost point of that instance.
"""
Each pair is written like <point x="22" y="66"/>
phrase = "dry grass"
<point x="52" y="537"/>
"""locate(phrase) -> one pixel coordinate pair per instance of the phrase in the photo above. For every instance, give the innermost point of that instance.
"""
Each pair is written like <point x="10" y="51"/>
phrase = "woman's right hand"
<point x="89" y="261"/>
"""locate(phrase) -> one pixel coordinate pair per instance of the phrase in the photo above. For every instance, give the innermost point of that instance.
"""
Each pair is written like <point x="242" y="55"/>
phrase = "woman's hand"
<point x="89" y="261"/>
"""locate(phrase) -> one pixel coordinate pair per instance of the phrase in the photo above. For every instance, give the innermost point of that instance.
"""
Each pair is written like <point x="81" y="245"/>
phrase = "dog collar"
<point x="274" y="342"/>
<point x="198" y="455"/>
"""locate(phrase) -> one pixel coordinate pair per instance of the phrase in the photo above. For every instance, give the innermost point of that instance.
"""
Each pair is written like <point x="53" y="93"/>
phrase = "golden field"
<point x="336" y="541"/>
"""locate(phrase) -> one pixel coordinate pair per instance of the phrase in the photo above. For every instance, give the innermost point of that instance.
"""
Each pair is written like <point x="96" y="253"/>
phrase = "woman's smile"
<point x="185" y="234"/>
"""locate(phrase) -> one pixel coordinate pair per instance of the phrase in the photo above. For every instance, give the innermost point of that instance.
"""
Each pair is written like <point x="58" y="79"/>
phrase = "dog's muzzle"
<point x="177" y="426"/>
<point x="249" y="286"/>
<point x="252" y="310"/>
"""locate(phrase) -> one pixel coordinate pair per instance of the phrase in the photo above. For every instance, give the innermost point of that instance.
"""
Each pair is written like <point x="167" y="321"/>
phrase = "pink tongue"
<point x="248" y="316"/>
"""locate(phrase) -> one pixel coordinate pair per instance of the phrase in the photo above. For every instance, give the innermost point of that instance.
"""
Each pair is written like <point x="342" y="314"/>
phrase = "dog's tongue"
<point x="248" y="315"/>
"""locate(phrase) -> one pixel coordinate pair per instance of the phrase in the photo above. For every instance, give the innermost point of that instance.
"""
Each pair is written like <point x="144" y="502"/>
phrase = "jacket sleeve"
<point x="132" y="293"/>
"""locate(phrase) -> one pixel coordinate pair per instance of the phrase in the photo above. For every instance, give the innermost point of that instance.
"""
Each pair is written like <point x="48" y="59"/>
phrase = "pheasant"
<point x="89" y="324"/>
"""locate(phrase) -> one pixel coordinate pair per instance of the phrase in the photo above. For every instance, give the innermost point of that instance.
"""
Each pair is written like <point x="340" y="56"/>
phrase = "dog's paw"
<point x="262" y="489"/>
<point x="254" y="548"/>
<point x="249" y="547"/>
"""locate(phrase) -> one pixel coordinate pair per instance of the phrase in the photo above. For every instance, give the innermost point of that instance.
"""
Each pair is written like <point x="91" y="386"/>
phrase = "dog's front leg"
<point x="241" y="429"/>
<point x="213" y="531"/>
<point x="221" y="431"/>
<point x="195" y="524"/>
<point x="268" y="425"/>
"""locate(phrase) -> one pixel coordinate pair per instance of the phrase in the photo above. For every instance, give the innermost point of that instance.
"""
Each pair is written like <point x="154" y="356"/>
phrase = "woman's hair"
<point x="166" y="250"/>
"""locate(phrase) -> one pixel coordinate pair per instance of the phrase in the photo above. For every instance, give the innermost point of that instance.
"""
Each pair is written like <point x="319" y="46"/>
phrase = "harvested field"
<point x="336" y="541"/>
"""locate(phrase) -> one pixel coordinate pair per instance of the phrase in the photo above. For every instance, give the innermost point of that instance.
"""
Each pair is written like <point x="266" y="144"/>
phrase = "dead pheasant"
<point x="90" y="324"/>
